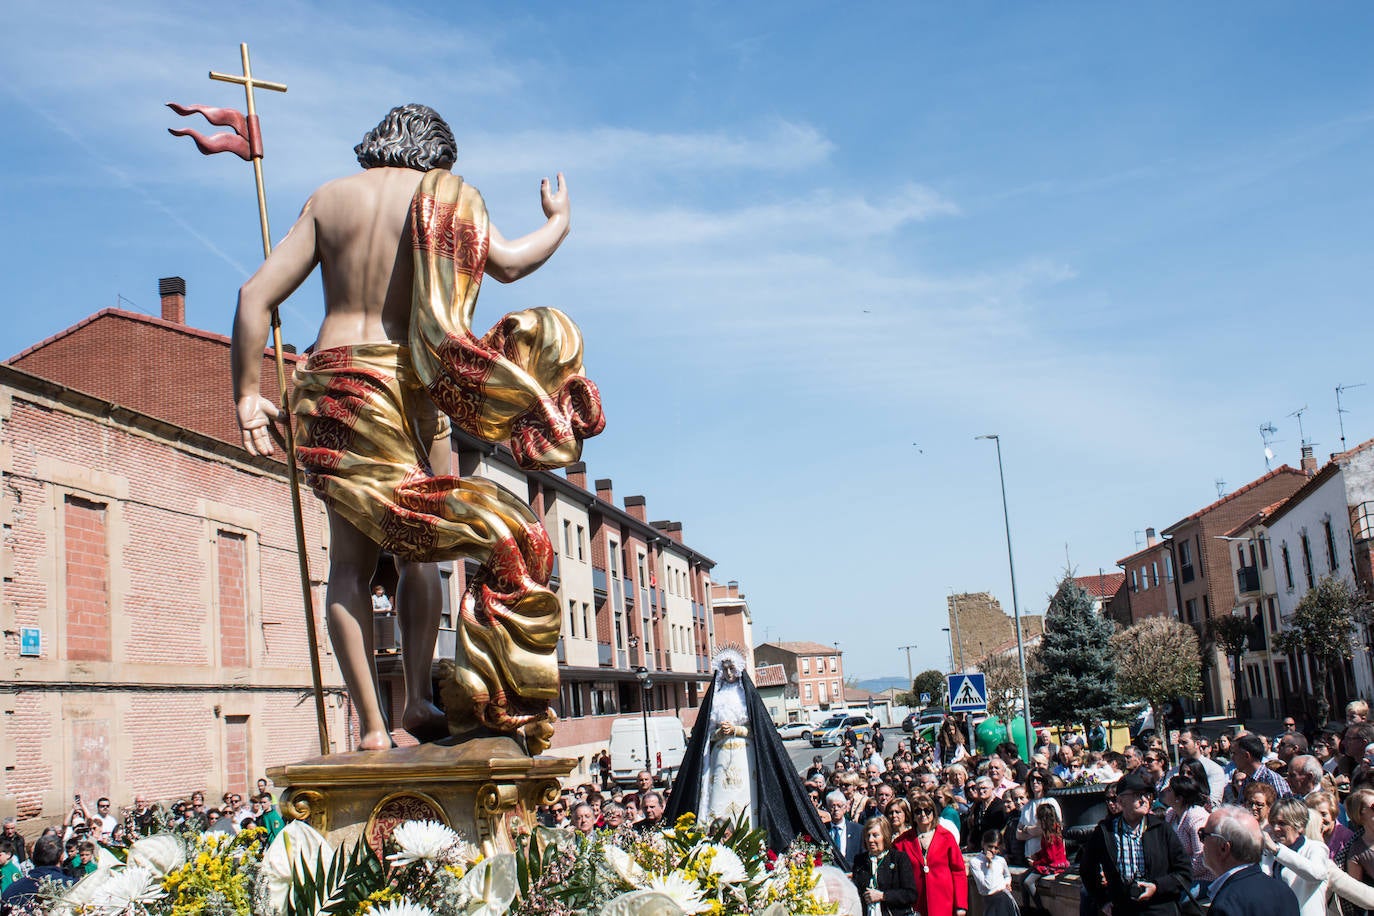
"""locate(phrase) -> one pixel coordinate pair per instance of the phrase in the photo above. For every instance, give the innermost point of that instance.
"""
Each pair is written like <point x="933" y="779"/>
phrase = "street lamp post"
<point x="645" y="684"/>
<point x="1015" y="605"/>
<point x="950" y="637"/>
<point x="910" y="678"/>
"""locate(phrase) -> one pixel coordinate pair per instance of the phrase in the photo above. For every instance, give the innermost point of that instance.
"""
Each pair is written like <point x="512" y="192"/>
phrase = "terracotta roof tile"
<point x="770" y="676"/>
<point x="803" y="648"/>
<point x="1103" y="585"/>
<point x="1277" y="472"/>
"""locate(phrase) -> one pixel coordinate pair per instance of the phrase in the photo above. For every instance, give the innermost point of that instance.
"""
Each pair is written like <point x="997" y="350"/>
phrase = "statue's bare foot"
<point x="425" y="721"/>
<point x="379" y="740"/>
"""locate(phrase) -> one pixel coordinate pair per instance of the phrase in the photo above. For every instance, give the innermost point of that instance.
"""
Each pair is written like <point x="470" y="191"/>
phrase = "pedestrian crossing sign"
<point x="968" y="692"/>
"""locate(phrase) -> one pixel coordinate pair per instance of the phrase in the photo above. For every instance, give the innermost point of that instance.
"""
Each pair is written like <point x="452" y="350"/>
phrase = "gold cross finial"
<point x="247" y="81"/>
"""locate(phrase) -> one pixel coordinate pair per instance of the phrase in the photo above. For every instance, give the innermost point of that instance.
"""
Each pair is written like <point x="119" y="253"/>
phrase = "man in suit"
<point x="1133" y="864"/>
<point x="1231" y="847"/>
<point x="844" y="833"/>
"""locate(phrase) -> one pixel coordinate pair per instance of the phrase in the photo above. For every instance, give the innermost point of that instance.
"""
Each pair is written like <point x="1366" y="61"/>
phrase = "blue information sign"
<point x="30" y="641"/>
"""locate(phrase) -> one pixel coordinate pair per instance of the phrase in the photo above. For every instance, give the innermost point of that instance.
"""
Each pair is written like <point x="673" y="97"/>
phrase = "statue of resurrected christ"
<point x="402" y="248"/>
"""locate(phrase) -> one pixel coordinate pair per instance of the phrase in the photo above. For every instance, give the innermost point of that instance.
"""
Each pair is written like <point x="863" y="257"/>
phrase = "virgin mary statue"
<point x="735" y="763"/>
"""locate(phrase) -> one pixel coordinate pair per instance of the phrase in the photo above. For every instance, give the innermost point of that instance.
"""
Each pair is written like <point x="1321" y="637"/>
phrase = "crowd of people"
<point x="921" y="828"/>
<point x="68" y="852"/>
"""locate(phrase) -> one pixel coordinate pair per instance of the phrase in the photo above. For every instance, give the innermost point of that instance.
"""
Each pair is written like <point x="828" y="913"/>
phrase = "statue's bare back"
<point x="362" y="239"/>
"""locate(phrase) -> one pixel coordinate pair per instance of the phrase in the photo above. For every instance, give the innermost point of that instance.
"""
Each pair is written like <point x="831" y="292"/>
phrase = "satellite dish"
<point x="1268" y="454"/>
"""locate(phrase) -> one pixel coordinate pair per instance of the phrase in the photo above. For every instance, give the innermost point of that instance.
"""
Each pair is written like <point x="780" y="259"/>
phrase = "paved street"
<point x="801" y="751"/>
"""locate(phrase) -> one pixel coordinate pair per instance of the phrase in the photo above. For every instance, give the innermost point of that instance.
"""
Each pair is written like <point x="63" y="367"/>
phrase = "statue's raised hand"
<point x="555" y="202"/>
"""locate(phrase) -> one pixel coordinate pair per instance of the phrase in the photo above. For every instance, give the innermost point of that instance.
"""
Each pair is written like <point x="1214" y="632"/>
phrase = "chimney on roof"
<point x="671" y="529"/>
<point x="1309" y="461"/>
<point x="577" y="474"/>
<point x="603" y="490"/>
<point x="173" y="293"/>
<point x="634" y="505"/>
<point x="732" y="588"/>
<point x="1151" y="539"/>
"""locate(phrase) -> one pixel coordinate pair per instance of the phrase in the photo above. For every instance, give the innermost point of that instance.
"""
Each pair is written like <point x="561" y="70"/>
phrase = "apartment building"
<point x="816" y="670"/>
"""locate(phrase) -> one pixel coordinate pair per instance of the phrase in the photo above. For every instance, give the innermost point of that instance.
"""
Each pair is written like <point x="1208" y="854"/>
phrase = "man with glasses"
<point x="104" y="822"/>
<point x="1231" y="847"/>
<point x="1133" y="862"/>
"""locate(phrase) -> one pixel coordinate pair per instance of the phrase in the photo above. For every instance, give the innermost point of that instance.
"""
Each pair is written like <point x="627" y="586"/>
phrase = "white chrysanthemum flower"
<point x="126" y="888"/>
<point x="624" y="865"/>
<point x="726" y="864"/>
<point x="421" y="841"/>
<point x="402" y="908"/>
<point x="684" y="893"/>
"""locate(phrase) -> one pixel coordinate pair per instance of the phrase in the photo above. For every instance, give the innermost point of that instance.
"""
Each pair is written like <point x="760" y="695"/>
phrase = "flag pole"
<point x="254" y="139"/>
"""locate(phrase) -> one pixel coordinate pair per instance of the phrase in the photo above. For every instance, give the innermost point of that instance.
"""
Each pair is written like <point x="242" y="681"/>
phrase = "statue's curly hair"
<point x="410" y="137"/>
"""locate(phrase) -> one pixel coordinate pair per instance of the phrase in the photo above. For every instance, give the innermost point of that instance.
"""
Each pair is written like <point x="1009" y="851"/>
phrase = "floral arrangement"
<point x="428" y="869"/>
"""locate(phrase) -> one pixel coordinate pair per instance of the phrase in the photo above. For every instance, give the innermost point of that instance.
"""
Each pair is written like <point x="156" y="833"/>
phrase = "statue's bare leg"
<point x="418" y="606"/>
<point x="352" y="563"/>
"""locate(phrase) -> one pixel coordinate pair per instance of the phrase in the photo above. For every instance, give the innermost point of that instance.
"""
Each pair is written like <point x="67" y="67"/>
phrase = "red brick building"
<point x="150" y="604"/>
<point x="156" y="559"/>
<point x="816" y="671"/>
<point x="1204" y="585"/>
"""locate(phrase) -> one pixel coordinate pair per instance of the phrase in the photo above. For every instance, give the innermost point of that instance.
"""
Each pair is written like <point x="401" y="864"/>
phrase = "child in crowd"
<point x="992" y="877"/>
<point x="1050" y="859"/>
<point x="9" y="868"/>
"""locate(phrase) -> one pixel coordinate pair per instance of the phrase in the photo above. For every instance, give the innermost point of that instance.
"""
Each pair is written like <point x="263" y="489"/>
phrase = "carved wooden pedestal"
<point x="479" y="788"/>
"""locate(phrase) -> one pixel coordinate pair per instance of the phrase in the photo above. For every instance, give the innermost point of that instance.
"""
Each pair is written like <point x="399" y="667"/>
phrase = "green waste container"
<point x="991" y="732"/>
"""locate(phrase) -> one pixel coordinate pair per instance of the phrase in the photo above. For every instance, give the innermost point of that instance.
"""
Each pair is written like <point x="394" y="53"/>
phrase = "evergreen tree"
<point x="1073" y="680"/>
<point x="931" y="682"/>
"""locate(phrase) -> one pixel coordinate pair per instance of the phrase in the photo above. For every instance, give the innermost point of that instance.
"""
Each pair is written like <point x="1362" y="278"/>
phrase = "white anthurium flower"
<point x="421" y="841"/>
<point x="491" y="885"/>
<point x="300" y="845"/>
<point x="642" y="903"/>
<point x="726" y="865"/>
<point x="624" y="865"/>
<point x="126" y="889"/>
<point x="686" y="894"/>
<point x="160" y="854"/>
<point x="402" y="908"/>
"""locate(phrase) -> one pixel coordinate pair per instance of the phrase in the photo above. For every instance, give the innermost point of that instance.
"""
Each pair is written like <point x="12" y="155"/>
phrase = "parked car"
<point x="831" y="731"/>
<point x="909" y="722"/>
<point x="792" y="730"/>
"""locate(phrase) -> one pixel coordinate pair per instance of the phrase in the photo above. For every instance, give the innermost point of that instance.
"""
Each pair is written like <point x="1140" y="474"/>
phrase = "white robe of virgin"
<point x="727" y="787"/>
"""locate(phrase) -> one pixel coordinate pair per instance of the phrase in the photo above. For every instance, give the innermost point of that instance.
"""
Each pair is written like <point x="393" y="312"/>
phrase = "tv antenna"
<point x="1267" y="431"/>
<point x="1302" y="439"/>
<point x="1341" y="411"/>
<point x="1221" y="487"/>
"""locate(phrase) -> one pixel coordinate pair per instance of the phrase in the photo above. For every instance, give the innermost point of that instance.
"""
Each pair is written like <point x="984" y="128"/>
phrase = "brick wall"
<point x="983" y="626"/>
<point x="167" y="514"/>
<point x="87" y="580"/>
<point x="236" y="756"/>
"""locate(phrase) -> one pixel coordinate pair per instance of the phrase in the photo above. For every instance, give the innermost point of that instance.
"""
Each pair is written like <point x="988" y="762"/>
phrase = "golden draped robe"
<point x="366" y="418"/>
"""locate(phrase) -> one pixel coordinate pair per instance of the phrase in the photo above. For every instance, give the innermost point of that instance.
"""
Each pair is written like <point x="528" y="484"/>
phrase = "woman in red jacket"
<point x="941" y="877"/>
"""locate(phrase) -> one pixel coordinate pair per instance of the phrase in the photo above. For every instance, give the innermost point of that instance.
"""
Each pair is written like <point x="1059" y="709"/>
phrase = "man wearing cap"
<point x="1133" y="863"/>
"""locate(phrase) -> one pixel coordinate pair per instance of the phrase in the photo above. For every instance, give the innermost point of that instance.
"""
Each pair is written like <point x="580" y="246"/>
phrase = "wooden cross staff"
<point x="246" y="143"/>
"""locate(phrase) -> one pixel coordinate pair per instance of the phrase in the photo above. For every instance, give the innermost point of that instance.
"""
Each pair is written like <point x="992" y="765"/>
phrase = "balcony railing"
<point x="622" y="660"/>
<point x="562" y="651"/>
<point x="386" y="635"/>
<point x="653" y="597"/>
<point x="629" y="588"/>
<point x="599" y="580"/>
<point x="604" y="654"/>
<point x="1247" y="580"/>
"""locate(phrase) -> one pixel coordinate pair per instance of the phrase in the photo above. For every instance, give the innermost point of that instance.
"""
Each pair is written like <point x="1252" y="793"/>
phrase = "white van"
<point x="667" y="742"/>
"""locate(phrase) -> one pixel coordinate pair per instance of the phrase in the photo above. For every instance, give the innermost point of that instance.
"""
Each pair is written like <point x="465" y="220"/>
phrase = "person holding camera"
<point x="1133" y="863"/>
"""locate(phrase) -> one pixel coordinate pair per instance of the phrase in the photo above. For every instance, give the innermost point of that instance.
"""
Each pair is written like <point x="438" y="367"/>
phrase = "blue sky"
<point x="805" y="237"/>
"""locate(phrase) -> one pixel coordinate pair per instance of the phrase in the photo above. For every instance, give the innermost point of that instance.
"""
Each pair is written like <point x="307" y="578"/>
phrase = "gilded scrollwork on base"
<point x="396" y="809"/>
<point x="306" y="805"/>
